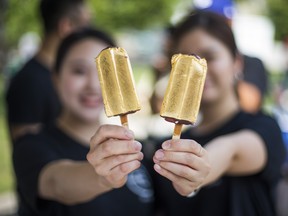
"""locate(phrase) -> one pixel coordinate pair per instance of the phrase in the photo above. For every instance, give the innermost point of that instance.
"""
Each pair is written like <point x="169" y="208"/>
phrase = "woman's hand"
<point x="114" y="154"/>
<point x="184" y="162"/>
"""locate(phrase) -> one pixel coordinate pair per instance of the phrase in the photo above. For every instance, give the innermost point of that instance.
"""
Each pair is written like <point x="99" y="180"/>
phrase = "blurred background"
<point x="260" y="27"/>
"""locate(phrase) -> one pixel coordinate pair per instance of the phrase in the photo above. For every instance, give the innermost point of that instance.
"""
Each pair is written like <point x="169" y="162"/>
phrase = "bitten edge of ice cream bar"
<point x="197" y="62"/>
<point x="117" y="109"/>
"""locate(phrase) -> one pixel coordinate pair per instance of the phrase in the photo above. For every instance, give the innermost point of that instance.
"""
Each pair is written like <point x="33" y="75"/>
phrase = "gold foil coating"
<point x="183" y="95"/>
<point x="117" y="82"/>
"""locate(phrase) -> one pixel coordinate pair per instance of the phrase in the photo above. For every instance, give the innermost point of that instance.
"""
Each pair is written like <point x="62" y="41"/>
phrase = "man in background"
<point x="31" y="98"/>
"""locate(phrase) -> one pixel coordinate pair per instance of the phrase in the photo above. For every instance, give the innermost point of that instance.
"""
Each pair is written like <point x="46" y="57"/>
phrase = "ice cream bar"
<point x="117" y="83"/>
<point x="183" y="95"/>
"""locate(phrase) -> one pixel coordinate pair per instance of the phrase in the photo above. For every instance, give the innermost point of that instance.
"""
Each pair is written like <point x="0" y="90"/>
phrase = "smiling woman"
<point x="53" y="175"/>
<point x="245" y="151"/>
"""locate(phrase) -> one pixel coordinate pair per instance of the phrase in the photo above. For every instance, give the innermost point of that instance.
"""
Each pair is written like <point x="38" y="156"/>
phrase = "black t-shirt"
<point x="254" y="72"/>
<point x="231" y="196"/>
<point x="31" y="97"/>
<point x="32" y="152"/>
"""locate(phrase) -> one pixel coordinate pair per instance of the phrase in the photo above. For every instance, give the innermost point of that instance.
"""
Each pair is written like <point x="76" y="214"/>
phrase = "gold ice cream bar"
<point x="183" y="95"/>
<point x="117" y="82"/>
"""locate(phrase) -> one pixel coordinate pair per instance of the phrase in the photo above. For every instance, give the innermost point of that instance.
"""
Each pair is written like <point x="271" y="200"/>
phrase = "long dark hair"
<point x="214" y="24"/>
<point x="74" y="38"/>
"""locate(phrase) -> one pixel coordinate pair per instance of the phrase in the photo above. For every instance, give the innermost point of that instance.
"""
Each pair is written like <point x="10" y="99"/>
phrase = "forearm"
<point x="238" y="154"/>
<point x="221" y="154"/>
<point x="70" y="182"/>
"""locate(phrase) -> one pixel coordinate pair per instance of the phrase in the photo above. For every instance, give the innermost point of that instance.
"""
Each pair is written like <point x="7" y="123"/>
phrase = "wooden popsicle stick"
<point x="124" y="120"/>
<point x="177" y="131"/>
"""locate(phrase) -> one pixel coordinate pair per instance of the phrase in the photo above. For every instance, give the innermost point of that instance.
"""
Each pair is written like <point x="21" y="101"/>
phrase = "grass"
<point x="6" y="173"/>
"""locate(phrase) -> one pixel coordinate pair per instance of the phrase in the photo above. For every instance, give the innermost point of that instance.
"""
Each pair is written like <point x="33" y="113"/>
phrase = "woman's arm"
<point x="190" y="167"/>
<point x="70" y="182"/>
<point x="113" y="155"/>
<point x="240" y="153"/>
<point x="184" y="162"/>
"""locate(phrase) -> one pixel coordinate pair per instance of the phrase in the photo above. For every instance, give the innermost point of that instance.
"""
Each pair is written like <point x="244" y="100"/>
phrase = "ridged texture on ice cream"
<point x="117" y="82"/>
<point x="183" y="95"/>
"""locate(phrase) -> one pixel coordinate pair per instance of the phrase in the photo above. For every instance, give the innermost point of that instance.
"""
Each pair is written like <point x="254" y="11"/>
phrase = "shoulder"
<point x="31" y="143"/>
<point x="30" y="68"/>
<point x="32" y="81"/>
<point x="264" y="125"/>
<point x="259" y="120"/>
<point x="268" y="129"/>
<point x="33" y="72"/>
<point x="252" y="59"/>
<point x="33" y="146"/>
<point x="33" y="151"/>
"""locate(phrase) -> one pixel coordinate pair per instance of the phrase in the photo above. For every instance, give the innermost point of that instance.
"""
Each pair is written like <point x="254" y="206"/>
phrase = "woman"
<point x="245" y="150"/>
<point x="53" y="175"/>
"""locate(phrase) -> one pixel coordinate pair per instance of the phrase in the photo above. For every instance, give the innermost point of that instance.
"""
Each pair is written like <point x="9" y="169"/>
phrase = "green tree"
<point x="113" y="15"/>
<point x="20" y="17"/>
<point x="3" y="6"/>
<point x="137" y="14"/>
<point x="278" y="12"/>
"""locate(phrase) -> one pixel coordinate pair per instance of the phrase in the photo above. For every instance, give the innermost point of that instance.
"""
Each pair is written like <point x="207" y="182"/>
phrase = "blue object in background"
<point x="224" y="7"/>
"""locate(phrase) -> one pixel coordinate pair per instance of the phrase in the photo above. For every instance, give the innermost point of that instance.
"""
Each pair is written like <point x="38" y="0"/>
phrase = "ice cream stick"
<point x="124" y="120"/>
<point x="177" y="131"/>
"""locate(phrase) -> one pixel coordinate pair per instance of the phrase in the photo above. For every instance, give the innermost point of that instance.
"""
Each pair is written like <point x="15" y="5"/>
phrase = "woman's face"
<point x="77" y="82"/>
<point x="221" y="64"/>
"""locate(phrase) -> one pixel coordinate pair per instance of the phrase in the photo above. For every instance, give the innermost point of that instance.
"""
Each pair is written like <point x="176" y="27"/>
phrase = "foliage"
<point x="112" y="15"/>
<point x="278" y="12"/>
<point x="20" y="17"/>
<point x="138" y="14"/>
<point x="6" y="175"/>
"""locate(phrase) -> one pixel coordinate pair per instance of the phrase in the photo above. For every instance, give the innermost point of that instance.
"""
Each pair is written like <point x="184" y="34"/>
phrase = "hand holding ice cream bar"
<point x="183" y="95"/>
<point x="117" y="83"/>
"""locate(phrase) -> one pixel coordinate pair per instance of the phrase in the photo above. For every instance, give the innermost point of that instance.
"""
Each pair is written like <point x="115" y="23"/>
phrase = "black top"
<point x="31" y="97"/>
<point x="254" y="72"/>
<point x="32" y="152"/>
<point x="232" y="196"/>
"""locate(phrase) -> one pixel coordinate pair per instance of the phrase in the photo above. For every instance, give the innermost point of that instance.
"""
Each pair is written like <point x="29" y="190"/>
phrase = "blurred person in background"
<point x="31" y="98"/>
<point x="245" y="150"/>
<point x="280" y="111"/>
<point x="53" y="175"/>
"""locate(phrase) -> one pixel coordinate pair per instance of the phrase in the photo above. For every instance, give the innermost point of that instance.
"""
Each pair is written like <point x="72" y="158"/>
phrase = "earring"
<point x="238" y="76"/>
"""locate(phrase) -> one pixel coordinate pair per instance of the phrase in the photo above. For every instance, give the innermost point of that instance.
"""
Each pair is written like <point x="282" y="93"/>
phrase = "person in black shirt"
<point x="31" y="98"/>
<point x="245" y="151"/>
<point x="52" y="172"/>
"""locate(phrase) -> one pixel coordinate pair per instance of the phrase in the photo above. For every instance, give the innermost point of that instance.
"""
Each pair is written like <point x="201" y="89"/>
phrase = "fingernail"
<point x="141" y="156"/>
<point x="155" y="160"/>
<point x="129" y="134"/>
<point x="157" y="167"/>
<point x="137" y="146"/>
<point x="166" y="145"/>
<point x="159" y="155"/>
